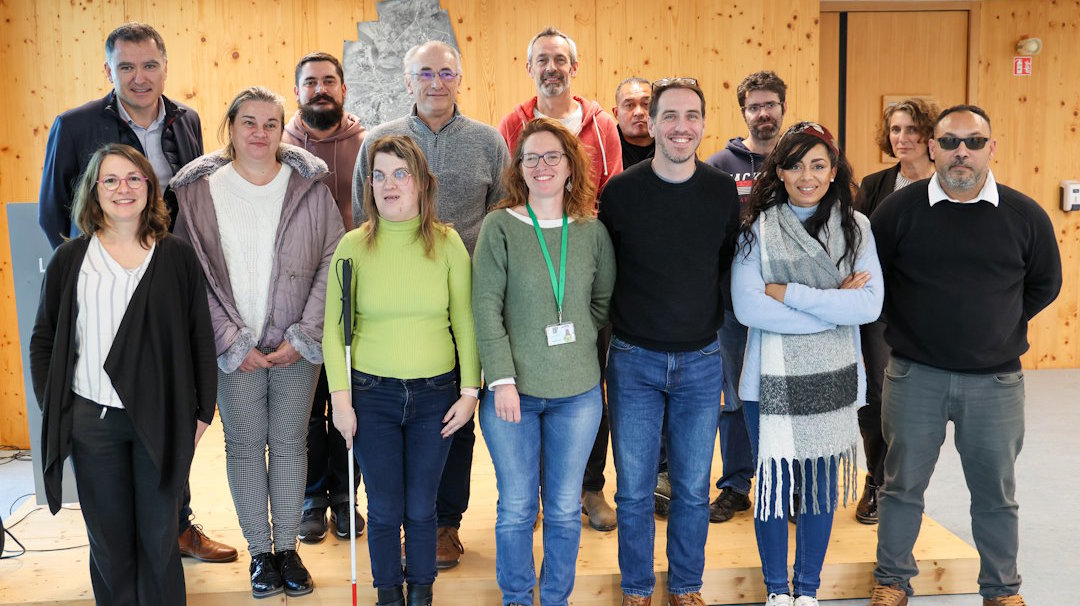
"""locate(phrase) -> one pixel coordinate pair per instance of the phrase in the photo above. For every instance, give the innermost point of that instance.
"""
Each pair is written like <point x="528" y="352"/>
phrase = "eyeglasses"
<point x="758" y="107"/>
<point x="972" y="143"/>
<point x="427" y="76"/>
<point x="665" y="82"/>
<point x="551" y="158"/>
<point x="112" y="182"/>
<point x="400" y="176"/>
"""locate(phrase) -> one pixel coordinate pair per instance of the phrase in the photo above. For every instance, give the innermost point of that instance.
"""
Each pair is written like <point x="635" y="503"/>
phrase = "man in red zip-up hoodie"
<point x="552" y="63"/>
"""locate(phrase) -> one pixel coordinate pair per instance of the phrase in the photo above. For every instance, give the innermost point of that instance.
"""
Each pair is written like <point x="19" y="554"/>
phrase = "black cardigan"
<point x="874" y="188"/>
<point x="162" y="362"/>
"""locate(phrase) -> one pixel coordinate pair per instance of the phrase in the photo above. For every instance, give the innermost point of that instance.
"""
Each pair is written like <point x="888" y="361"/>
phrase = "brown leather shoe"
<point x="1005" y="600"/>
<point x="636" y="600"/>
<point x="448" y="548"/>
<point x="195" y="544"/>
<point x="686" y="599"/>
<point x="601" y="516"/>
<point x="888" y="595"/>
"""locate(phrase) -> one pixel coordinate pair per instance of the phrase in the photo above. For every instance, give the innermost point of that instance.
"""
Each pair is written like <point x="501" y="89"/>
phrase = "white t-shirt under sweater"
<point x="248" y="217"/>
<point x="572" y="122"/>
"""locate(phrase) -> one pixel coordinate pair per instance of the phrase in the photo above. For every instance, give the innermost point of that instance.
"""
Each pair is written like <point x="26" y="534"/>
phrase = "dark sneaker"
<point x="313" y="525"/>
<point x="726" y="504"/>
<point x="339" y="519"/>
<point x="265" y="578"/>
<point x="293" y="573"/>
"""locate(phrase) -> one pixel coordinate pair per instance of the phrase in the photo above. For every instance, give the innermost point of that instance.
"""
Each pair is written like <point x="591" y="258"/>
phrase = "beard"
<point x="960" y="183"/>
<point x="320" y="118"/>
<point x="553" y="89"/>
<point x="763" y="130"/>
<point x="674" y="156"/>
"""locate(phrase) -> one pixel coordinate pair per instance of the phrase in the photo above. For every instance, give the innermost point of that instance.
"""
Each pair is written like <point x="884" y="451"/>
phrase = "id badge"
<point x="560" y="334"/>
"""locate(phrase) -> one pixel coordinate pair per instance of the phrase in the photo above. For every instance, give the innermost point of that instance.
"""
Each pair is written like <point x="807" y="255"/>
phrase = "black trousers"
<point x="875" y="357"/>
<point x="130" y="517"/>
<point x="328" y="457"/>
<point x="594" y="468"/>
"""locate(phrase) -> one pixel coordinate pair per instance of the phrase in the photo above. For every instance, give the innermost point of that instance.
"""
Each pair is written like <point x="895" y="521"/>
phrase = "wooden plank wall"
<point x="1036" y="120"/>
<point x="53" y="51"/>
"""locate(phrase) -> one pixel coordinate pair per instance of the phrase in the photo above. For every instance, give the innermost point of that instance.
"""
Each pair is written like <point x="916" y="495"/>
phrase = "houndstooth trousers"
<point x="268" y="407"/>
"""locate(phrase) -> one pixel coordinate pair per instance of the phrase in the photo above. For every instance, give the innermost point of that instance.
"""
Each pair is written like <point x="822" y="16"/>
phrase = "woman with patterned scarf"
<point x="806" y="275"/>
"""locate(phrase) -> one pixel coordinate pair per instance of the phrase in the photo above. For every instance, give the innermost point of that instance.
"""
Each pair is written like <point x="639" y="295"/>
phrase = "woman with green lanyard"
<point x="543" y="273"/>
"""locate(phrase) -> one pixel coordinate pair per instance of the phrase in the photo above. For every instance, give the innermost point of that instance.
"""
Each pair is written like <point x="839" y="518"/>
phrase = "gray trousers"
<point x="268" y="407"/>
<point x="988" y="414"/>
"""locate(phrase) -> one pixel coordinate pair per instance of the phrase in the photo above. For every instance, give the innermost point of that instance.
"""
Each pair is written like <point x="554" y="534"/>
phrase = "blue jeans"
<point x="401" y="454"/>
<point x="812" y="530"/>
<point x="645" y="388"/>
<point x="559" y="434"/>
<point x="735" y="448"/>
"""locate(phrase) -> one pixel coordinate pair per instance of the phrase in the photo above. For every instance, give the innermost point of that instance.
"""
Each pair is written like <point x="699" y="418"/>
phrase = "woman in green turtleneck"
<point x="412" y="324"/>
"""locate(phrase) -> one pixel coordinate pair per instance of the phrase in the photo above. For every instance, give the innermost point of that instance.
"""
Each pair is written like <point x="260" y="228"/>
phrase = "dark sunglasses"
<point x="972" y="143"/>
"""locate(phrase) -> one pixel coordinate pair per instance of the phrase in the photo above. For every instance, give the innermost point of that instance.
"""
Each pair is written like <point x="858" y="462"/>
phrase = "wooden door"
<point x="887" y="55"/>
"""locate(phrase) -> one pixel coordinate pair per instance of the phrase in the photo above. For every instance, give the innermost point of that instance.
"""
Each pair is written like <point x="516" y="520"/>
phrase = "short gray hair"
<point x="631" y="80"/>
<point x="410" y="55"/>
<point x="552" y="31"/>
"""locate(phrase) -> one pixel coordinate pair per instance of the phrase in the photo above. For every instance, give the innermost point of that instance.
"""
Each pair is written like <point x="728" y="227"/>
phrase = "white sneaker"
<point x="781" y="599"/>
<point x="805" y="600"/>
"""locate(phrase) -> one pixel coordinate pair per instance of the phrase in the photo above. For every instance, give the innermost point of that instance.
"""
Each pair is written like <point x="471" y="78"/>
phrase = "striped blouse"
<point x="103" y="292"/>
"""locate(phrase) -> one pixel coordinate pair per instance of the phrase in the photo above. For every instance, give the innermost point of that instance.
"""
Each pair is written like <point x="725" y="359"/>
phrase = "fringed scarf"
<point x="809" y="383"/>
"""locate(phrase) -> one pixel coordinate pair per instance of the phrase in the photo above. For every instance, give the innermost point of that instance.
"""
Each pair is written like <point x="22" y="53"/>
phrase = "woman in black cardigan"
<point x="124" y="368"/>
<point x="906" y="128"/>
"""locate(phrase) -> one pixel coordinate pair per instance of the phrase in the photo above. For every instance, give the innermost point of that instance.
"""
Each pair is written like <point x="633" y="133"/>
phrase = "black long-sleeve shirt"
<point x="962" y="280"/>
<point x="673" y="244"/>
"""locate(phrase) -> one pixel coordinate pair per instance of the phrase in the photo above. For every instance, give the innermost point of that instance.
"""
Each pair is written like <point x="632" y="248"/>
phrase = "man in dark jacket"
<point x="134" y="113"/>
<point x="631" y="111"/>
<point x="167" y="133"/>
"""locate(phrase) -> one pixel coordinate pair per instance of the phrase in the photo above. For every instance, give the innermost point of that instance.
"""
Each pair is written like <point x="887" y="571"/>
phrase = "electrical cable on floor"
<point x="7" y="530"/>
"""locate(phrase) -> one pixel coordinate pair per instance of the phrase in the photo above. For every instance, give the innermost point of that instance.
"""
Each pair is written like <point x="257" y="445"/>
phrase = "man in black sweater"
<point x="967" y="263"/>
<point x="673" y="222"/>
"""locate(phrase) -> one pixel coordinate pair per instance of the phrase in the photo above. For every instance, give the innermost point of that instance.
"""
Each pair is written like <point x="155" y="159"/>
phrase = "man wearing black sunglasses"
<point x="967" y="263"/>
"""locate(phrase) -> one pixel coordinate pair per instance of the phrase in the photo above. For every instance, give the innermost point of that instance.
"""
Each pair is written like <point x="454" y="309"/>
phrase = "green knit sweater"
<point x="404" y="307"/>
<point x="513" y="302"/>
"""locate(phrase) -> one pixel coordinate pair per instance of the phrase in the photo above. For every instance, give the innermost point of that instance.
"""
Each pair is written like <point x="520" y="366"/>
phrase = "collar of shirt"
<point x="153" y="125"/>
<point x="989" y="191"/>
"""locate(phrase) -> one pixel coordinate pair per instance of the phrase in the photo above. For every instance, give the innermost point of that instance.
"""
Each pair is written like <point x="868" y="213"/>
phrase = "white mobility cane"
<point x="346" y="320"/>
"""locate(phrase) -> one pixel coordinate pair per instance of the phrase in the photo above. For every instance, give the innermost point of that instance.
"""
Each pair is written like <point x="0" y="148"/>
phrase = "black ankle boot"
<point x="265" y="578"/>
<point x="391" y="597"/>
<point x="293" y="573"/>
<point x="419" y="595"/>
<point x="866" y="511"/>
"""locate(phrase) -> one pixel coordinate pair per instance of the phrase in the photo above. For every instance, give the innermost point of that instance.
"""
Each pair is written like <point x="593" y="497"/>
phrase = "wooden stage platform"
<point x="732" y="574"/>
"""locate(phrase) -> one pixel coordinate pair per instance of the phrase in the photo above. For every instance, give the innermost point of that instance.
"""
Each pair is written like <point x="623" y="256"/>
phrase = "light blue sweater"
<point x="805" y="310"/>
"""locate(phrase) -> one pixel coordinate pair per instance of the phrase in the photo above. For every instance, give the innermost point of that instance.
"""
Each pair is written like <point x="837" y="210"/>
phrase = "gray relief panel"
<point x="373" y="63"/>
<point x="30" y="254"/>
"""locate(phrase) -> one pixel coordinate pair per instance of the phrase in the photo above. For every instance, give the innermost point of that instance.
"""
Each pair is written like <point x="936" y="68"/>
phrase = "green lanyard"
<point x="558" y="286"/>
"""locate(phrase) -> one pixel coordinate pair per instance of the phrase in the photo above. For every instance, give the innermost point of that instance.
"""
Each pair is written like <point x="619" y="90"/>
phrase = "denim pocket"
<point x="619" y="344"/>
<point x="1009" y="379"/>
<point x="710" y="349"/>
<point x="363" y="381"/>
<point x="898" y="369"/>
<point x="442" y="381"/>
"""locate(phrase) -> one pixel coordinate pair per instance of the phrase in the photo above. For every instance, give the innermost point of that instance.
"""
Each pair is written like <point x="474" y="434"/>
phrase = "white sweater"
<point x="248" y="217"/>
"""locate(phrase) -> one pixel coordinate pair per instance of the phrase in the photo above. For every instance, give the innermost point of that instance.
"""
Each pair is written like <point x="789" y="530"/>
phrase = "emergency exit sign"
<point x="1021" y="66"/>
